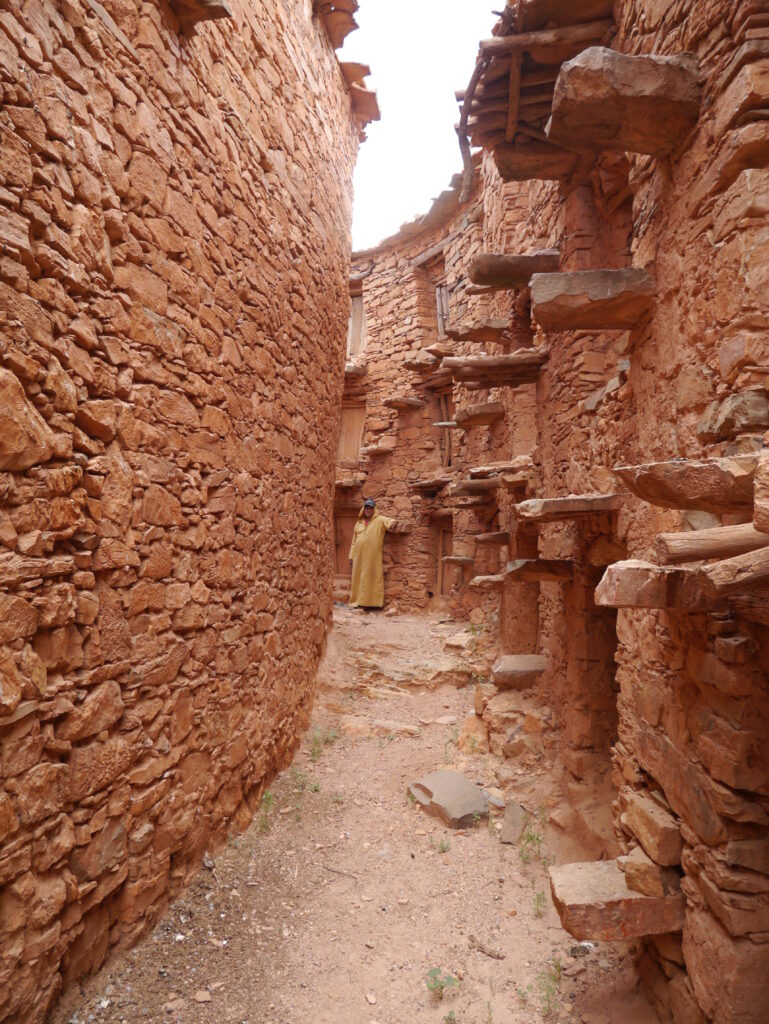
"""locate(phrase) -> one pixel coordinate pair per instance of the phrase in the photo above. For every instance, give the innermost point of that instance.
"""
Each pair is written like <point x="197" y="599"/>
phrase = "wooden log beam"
<point x="743" y="572"/>
<point x="496" y="539"/>
<point x="487" y="583"/>
<point x="553" y="510"/>
<point x="720" y="485"/>
<point x="479" y="415"/>
<point x="514" y="94"/>
<point x="638" y="584"/>
<point x="552" y="37"/>
<point x="539" y="570"/>
<point x="474" y="487"/>
<point x="403" y="403"/>
<point x="717" y="542"/>
<point x="522" y="357"/>
<point x="510" y="270"/>
<point x="460" y="560"/>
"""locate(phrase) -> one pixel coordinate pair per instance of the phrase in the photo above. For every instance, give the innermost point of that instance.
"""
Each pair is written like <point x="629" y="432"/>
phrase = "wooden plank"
<point x="540" y="570"/>
<point x="513" y="96"/>
<point x="547" y="37"/>
<point x="717" y="542"/>
<point x="553" y="510"/>
<point x="743" y="572"/>
<point x="720" y="485"/>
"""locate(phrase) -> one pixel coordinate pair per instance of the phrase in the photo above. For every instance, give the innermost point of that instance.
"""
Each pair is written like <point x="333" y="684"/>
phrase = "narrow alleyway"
<point x="373" y="894"/>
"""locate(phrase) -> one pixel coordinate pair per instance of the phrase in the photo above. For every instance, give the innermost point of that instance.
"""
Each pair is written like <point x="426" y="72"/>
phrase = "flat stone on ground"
<point x="513" y="823"/>
<point x="451" y="797"/>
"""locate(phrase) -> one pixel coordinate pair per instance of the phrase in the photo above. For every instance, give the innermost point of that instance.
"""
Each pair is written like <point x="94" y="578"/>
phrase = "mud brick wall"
<point x="174" y="257"/>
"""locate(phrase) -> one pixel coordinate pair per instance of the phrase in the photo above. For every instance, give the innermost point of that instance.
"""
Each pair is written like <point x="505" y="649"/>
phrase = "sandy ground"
<point x="342" y="896"/>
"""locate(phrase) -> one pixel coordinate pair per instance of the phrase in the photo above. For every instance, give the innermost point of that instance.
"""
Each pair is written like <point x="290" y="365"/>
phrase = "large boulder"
<point x="451" y="797"/>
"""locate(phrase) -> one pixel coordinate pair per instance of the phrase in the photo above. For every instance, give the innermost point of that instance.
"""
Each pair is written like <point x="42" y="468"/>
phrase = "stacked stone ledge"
<point x="172" y="321"/>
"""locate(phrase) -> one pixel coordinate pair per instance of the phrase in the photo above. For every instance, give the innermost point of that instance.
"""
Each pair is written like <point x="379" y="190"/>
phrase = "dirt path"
<point x="342" y="896"/>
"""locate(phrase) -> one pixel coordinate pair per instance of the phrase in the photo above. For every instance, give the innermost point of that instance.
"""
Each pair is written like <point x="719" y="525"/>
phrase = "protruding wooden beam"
<point x="474" y="487"/>
<point x="554" y="510"/>
<point x="553" y="37"/>
<point x="539" y="570"/>
<point x="481" y="331"/>
<point x="517" y="671"/>
<point x="720" y="485"/>
<point x="607" y="100"/>
<point x="487" y="583"/>
<point x="497" y="539"/>
<point x="513" y="96"/>
<point x="479" y="415"/>
<point x="743" y="572"/>
<point x="717" y="542"/>
<point x="511" y="370"/>
<point x="404" y="403"/>
<point x="594" y="902"/>
<point x="507" y="270"/>
<point x="461" y="560"/>
<point x="592" y="299"/>
<point x="637" y="584"/>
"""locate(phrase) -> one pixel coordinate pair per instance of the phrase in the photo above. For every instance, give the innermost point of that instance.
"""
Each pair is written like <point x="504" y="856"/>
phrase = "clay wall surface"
<point x="174" y="259"/>
<point x="683" y="713"/>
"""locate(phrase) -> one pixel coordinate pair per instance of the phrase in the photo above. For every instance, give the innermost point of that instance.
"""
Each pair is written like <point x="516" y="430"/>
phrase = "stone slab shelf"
<point x="422" y="362"/>
<point x="438" y="380"/>
<point x="462" y="487"/>
<point x="512" y="370"/>
<point x="482" y="332"/>
<point x="431" y="485"/>
<point x="374" y="450"/>
<point x="496" y="468"/>
<point x="481" y="415"/>
<point x="555" y="510"/>
<point x="534" y="160"/>
<point x="592" y="299"/>
<point x="540" y="570"/>
<point x="720" y="485"/>
<point x="497" y="539"/>
<point x="440" y="349"/>
<point x="605" y="100"/>
<point x="487" y="583"/>
<point x="636" y="584"/>
<point x="403" y="403"/>
<point x="190" y="12"/>
<point x="352" y="371"/>
<point x="460" y="560"/>
<point x="348" y="483"/>
<point x="514" y="481"/>
<point x="447" y="424"/>
<point x="517" y="671"/>
<point x="501" y="271"/>
<point x="594" y="903"/>
<point x="717" y="542"/>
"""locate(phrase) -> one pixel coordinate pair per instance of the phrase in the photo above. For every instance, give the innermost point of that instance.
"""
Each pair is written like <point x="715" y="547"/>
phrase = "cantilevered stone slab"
<point x="533" y="161"/>
<point x="594" y="902"/>
<point x="709" y="485"/>
<point x="606" y="100"/>
<point x="591" y="299"/>
<point x="451" y="797"/>
<point x="508" y="270"/>
<point x="517" y="671"/>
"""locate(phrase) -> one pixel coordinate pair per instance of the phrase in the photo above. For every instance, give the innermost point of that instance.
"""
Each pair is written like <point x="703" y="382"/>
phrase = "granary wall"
<point x="677" y="694"/>
<point x="174" y="256"/>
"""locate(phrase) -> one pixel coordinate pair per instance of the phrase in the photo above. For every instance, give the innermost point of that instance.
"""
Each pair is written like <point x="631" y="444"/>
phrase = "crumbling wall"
<point x="174" y="215"/>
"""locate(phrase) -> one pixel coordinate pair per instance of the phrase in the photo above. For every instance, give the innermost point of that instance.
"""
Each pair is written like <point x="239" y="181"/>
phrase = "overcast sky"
<point x="419" y="52"/>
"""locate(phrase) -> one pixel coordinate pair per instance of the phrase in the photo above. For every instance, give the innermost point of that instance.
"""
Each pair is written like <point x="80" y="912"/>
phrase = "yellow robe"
<point x="366" y="553"/>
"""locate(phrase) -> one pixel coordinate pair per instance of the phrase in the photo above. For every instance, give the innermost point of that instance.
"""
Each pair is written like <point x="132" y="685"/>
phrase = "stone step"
<point x="517" y="671"/>
<point x="710" y="485"/>
<point x="592" y="299"/>
<point x="605" y="100"/>
<point x="507" y="270"/>
<point x="594" y="902"/>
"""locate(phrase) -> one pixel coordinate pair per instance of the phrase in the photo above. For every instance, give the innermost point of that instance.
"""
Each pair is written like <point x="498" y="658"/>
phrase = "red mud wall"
<point x="174" y="214"/>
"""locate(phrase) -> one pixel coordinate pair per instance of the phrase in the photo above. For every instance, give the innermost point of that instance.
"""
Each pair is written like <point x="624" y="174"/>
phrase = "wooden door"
<point x="351" y="435"/>
<point x="344" y="524"/>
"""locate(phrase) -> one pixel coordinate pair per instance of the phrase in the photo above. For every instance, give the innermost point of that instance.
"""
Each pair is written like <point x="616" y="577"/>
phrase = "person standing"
<point x="367" y="589"/>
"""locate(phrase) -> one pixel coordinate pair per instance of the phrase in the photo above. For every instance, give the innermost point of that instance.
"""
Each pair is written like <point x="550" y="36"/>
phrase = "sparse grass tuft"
<point x="320" y="739"/>
<point x="539" y="904"/>
<point x="548" y="984"/>
<point x="265" y="807"/>
<point x="530" y="845"/>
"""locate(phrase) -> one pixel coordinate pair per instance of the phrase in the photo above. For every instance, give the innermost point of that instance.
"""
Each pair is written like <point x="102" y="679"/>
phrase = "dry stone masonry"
<point x="604" y="510"/>
<point x="175" y="203"/>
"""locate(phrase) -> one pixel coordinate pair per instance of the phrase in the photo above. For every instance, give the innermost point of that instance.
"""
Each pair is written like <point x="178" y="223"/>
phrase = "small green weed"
<point x="437" y="982"/>
<point x="314" y="787"/>
<point x="523" y="993"/>
<point x="338" y="798"/>
<point x="548" y="983"/>
<point x="321" y="738"/>
<point x="530" y="845"/>
<point x="265" y="807"/>
<point x="299" y="780"/>
<point x="450" y="1018"/>
<point x="539" y="904"/>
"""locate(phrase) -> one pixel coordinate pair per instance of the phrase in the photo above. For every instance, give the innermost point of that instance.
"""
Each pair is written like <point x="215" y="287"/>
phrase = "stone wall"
<point x="174" y="225"/>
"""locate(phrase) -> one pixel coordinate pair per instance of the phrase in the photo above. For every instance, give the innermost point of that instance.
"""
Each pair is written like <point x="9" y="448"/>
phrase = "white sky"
<point x="419" y="52"/>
